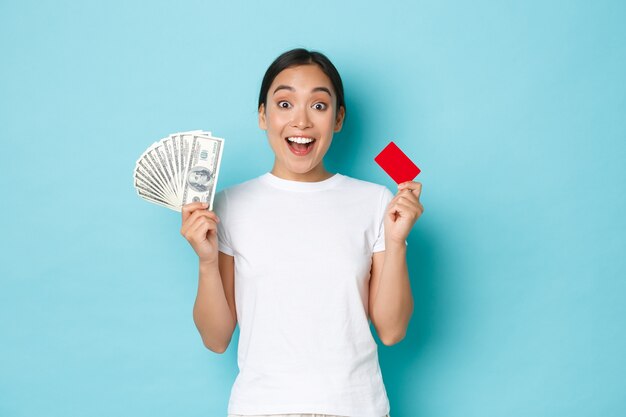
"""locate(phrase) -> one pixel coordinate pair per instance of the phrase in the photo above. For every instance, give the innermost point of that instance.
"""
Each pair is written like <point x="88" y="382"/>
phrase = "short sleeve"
<point x="385" y="198"/>
<point x="221" y="209"/>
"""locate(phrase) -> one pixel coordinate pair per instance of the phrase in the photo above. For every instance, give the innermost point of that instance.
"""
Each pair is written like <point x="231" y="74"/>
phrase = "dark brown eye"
<point x="284" y="104"/>
<point x="319" y="106"/>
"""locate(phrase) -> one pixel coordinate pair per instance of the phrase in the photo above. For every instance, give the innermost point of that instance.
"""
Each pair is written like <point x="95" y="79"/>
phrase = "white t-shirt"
<point x="303" y="254"/>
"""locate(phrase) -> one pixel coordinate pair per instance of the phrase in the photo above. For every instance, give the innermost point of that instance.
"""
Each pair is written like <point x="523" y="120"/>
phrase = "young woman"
<point x="302" y="259"/>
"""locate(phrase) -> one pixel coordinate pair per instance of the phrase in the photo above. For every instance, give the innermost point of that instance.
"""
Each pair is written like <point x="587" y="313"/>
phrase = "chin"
<point x="301" y="171"/>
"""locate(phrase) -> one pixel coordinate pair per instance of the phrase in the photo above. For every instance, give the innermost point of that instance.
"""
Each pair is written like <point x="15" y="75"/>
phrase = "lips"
<point x="300" y="145"/>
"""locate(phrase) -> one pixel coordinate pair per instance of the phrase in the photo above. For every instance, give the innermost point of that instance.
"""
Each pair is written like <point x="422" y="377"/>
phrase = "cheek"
<point x="327" y="117"/>
<point x="329" y="125"/>
<point x="277" y="119"/>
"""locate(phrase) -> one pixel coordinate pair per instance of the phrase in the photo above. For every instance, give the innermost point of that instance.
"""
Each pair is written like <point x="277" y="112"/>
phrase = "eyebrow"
<point x="316" y="89"/>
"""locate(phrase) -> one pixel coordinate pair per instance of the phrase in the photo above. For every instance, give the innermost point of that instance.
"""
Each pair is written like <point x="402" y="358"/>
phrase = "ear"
<point x="341" y="114"/>
<point x="262" y="121"/>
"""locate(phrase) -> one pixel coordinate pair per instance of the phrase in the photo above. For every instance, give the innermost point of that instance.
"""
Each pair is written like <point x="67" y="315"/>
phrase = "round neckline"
<point x="293" y="185"/>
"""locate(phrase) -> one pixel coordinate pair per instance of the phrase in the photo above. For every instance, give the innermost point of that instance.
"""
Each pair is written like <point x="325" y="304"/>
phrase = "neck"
<point x="318" y="174"/>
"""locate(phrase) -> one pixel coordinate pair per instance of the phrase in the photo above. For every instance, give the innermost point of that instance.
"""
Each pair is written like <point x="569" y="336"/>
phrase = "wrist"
<point x="395" y="245"/>
<point x="208" y="268"/>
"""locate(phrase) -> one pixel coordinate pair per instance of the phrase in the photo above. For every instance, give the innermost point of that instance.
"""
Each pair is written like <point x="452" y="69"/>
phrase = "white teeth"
<point x="299" y="139"/>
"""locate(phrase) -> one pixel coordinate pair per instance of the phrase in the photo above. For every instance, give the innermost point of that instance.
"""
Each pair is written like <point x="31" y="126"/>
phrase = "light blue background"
<point x="515" y="111"/>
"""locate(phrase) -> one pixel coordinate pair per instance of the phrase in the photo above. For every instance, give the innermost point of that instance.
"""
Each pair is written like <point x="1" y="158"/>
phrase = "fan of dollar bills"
<point x="179" y="169"/>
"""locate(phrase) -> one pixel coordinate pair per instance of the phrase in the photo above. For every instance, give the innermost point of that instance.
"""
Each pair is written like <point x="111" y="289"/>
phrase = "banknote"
<point x="179" y="169"/>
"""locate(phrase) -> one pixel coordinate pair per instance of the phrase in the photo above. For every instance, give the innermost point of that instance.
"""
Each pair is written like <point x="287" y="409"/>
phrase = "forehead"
<point x="304" y="77"/>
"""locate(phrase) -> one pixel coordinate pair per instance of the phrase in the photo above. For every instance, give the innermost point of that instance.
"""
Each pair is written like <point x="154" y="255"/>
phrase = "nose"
<point x="301" y="119"/>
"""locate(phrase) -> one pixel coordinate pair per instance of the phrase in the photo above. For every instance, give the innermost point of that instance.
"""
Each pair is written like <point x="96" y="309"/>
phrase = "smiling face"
<point x="300" y="118"/>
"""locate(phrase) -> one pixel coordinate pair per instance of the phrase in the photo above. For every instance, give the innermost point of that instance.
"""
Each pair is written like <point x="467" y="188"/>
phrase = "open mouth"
<point x="300" y="145"/>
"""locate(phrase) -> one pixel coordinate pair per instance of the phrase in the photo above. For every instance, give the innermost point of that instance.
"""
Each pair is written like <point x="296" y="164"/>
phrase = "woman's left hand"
<point x="403" y="211"/>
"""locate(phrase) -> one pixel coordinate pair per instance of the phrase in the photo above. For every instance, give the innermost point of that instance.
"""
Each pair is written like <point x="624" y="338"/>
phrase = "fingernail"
<point x="205" y="204"/>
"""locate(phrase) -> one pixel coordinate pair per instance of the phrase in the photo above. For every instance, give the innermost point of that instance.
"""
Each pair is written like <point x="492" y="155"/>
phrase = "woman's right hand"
<point x="200" y="229"/>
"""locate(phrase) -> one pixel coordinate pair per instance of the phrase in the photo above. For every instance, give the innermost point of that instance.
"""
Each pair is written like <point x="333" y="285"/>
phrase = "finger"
<point x="209" y="214"/>
<point x="398" y="206"/>
<point x="407" y="184"/>
<point x="418" y="190"/>
<point x="189" y="221"/>
<point x="414" y="209"/>
<point x="407" y="195"/>
<point x="401" y="207"/>
<point x="401" y="192"/>
<point x="197" y="231"/>
<point x="187" y="209"/>
<point x="198" y="213"/>
<point x="406" y="210"/>
<point x="396" y="211"/>
<point x="203" y="213"/>
<point x="415" y="187"/>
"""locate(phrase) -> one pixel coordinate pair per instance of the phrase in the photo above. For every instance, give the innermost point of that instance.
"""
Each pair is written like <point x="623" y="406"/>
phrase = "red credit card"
<point x="397" y="164"/>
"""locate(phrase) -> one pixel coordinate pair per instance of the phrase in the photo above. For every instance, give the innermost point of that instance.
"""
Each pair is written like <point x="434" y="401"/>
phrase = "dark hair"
<point x="300" y="56"/>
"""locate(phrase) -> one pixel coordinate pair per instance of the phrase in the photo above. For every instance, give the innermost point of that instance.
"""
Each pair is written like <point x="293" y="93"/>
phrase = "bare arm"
<point x="214" y="308"/>
<point x="391" y="300"/>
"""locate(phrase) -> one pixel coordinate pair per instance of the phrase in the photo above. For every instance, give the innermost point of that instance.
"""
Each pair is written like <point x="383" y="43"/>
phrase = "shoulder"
<point x="239" y="190"/>
<point x="232" y="196"/>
